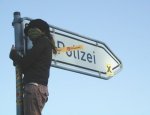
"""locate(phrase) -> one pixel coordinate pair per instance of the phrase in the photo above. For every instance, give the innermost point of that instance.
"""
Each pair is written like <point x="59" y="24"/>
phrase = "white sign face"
<point x="86" y="56"/>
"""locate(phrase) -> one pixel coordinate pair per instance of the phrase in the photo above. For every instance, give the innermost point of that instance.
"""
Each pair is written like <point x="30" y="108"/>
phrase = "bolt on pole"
<point x="19" y="45"/>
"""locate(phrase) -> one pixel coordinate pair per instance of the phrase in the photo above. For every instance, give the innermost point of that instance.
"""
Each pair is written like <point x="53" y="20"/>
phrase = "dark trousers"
<point x="35" y="97"/>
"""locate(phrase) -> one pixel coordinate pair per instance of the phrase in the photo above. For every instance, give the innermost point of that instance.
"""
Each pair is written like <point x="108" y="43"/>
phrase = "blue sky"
<point x="122" y="24"/>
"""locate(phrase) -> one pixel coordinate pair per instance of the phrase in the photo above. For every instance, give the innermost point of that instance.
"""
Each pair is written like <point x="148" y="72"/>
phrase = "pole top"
<point x="16" y="13"/>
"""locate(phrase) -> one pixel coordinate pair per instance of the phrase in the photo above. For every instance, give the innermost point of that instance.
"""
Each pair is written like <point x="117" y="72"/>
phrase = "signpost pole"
<point x="19" y="47"/>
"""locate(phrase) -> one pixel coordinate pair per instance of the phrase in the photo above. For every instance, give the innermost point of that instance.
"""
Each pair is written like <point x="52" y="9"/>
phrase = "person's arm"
<point x="31" y="57"/>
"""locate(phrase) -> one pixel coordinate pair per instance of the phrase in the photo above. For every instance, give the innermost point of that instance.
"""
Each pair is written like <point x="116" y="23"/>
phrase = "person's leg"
<point x="35" y="98"/>
<point x="42" y="96"/>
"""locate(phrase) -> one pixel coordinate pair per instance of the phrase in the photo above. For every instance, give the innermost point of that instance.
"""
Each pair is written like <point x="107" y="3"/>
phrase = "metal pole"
<point x="19" y="47"/>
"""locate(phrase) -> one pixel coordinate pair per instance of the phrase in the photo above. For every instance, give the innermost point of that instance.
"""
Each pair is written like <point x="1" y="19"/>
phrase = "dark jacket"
<point x="36" y="63"/>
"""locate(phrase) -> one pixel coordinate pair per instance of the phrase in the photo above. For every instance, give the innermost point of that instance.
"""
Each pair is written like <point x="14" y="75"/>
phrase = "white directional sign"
<point x="83" y="55"/>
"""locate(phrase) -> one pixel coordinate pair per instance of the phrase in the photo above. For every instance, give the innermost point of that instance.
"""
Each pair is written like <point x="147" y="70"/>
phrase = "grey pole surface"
<point x="19" y="45"/>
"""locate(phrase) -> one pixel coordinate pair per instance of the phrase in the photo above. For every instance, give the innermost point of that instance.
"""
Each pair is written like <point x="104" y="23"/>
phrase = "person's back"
<point x="38" y="71"/>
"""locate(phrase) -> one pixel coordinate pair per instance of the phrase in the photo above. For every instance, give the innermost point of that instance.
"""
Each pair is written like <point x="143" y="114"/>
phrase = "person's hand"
<point x="13" y="53"/>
